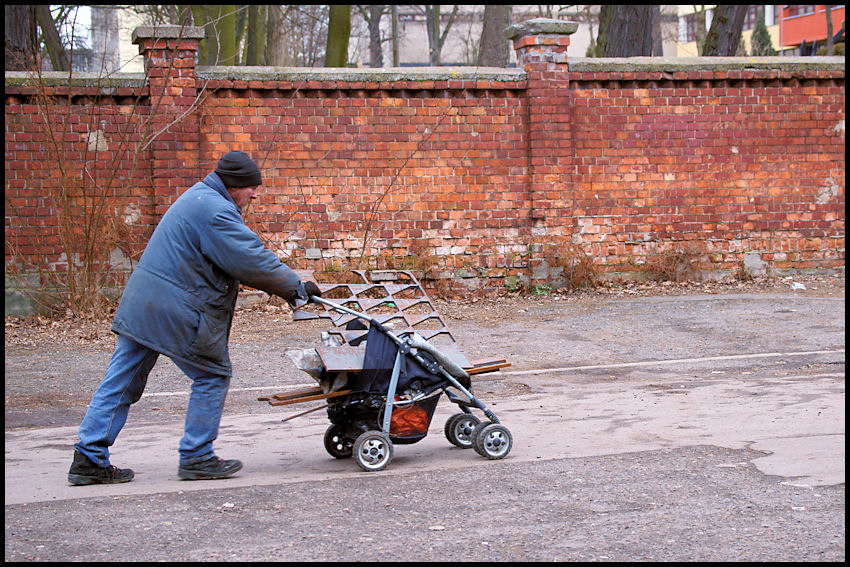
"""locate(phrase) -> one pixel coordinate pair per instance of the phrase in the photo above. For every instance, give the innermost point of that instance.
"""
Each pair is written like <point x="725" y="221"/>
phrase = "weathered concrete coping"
<point x="674" y="64"/>
<point x="61" y="78"/>
<point x="344" y="74"/>
<point x="540" y="26"/>
<point x="167" y="32"/>
<point x="423" y="74"/>
<point x="576" y="64"/>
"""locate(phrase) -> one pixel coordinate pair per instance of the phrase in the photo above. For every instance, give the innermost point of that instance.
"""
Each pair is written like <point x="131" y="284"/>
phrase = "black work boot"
<point x="84" y="471"/>
<point x="210" y="469"/>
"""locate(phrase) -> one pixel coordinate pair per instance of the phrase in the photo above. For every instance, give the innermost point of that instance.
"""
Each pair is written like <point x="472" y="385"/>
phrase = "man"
<point x="179" y="302"/>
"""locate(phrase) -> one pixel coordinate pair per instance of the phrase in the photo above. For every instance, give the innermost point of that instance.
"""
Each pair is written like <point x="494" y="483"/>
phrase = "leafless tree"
<point x="493" y="50"/>
<point x="86" y="188"/>
<point x="625" y="30"/>
<point x="21" y="45"/>
<point x="372" y="15"/>
<point x="724" y="36"/>
<point x="436" y="36"/>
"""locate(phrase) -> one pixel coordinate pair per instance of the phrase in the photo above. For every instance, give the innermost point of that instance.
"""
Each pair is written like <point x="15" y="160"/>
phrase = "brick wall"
<point x="70" y="151"/>
<point x="476" y="174"/>
<point x="424" y="163"/>
<point x="727" y="161"/>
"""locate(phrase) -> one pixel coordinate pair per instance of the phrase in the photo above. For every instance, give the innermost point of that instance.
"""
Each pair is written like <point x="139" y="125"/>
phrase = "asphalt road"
<point x="686" y="428"/>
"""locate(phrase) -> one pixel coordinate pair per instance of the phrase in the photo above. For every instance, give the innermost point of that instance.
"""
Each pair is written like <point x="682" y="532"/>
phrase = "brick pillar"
<point x="169" y="53"/>
<point x="541" y="49"/>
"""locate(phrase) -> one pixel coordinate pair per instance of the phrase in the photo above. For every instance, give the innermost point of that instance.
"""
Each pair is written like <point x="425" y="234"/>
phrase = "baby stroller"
<point x="386" y="393"/>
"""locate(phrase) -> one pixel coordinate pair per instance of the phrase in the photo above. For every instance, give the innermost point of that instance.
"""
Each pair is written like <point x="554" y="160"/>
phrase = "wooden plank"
<point x="484" y="367"/>
<point x="350" y="359"/>
<point x="293" y="394"/>
<point x="288" y="400"/>
<point x="480" y="366"/>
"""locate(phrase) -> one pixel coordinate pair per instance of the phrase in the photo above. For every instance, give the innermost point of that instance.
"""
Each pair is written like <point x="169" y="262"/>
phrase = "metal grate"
<point x="394" y="298"/>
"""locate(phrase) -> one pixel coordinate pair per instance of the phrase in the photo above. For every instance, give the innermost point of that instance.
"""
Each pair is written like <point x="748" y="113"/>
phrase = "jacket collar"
<point x="213" y="181"/>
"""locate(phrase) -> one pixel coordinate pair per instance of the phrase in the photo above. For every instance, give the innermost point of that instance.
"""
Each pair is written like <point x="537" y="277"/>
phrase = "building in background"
<point x="104" y="39"/>
<point x="803" y="28"/>
<point x="129" y="59"/>
<point x="789" y="26"/>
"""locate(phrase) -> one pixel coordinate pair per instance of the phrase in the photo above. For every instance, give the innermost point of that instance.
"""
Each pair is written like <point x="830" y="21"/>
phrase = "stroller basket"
<point x="410" y="423"/>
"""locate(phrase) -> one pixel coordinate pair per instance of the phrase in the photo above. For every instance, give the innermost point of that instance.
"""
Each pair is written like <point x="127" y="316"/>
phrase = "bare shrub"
<point x="679" y="263"/>
<point x="580" y="272"/>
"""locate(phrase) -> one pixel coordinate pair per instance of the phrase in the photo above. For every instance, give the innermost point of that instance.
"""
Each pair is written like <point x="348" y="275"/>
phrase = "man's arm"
<point x="239" y="252"/>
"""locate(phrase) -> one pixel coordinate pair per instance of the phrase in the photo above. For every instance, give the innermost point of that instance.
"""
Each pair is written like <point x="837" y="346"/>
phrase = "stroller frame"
<point x="373" y="448"/>
<point x="405" y="346"/>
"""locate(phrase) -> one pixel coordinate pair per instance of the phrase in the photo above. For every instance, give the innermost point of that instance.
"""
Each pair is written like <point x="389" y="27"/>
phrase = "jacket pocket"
<point x="211" y="341"/>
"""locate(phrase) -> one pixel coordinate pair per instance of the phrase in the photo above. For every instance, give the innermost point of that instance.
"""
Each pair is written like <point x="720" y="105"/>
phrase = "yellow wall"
<point x="690" y="49"/>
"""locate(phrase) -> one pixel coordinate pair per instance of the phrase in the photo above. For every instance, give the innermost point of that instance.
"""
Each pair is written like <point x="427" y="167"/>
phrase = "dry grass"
<point x="580" y="272"/>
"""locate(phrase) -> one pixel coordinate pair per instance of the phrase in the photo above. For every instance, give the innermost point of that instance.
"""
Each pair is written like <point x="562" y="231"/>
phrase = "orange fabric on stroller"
<point x="409" y="420"/>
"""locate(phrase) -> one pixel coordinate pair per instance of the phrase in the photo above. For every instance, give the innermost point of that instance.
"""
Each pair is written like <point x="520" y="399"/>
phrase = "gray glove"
<point x="311" y="289"/>
<point x="304" y="292"/>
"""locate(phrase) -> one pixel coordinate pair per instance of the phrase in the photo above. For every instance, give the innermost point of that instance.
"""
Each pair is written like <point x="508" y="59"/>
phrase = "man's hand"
<point x="312" y="289"/>
<point x="304" y="294"/>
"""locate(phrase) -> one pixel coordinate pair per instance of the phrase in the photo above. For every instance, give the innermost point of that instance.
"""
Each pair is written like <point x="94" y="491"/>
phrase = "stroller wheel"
<point x="373" y="450"/>
<point x="338" y="446"/>
<point x="492" y="441"/>
<point x="459" y="429"/>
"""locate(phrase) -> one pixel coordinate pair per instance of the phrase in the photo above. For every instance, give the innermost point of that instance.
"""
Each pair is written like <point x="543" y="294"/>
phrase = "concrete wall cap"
<point x="541" y="26"/>
<point x="167" y="32"/>
<point x="78" y="79"/>
<point x="719" y="64"/>
<point x="366" y="74"/>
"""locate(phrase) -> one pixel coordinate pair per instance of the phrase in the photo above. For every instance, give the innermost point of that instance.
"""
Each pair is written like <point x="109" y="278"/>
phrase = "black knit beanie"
<point x="236" y="169"/>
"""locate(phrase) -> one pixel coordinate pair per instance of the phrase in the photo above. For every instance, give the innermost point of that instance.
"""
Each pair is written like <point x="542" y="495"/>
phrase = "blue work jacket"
<point x="180" y="298"/>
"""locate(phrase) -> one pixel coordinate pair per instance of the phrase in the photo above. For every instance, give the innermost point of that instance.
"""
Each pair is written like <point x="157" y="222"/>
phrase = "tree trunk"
<point x="226" y="28"/>
<point x="55" y="48"/>
<point x="219" y="21"/>
<point x="394" y="13"/>
<point x="829" y="39"/>
<point x="432" y="23"/>
<point x="255" y="43"/>
<point x="376" y="54"/>
<point x="724" y="35"/>
<point x="199" y="18"/>
<point x="435" y="38"/>
<point x="493" y="50"/>
<point x="657" y="39"/>
<point x="20" y="37"/>
<point x="339" y="30"/>
<point x="274" y="38"/>
<point x="605" y="13"/>
<point x="629" y="31"/>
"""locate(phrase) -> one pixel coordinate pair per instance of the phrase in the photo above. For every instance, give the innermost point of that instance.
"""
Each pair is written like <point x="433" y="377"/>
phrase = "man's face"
<point x="243" y="195"/>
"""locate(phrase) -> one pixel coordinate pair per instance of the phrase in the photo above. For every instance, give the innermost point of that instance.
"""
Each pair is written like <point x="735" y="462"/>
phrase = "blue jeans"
<point x="125" y="380"/>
